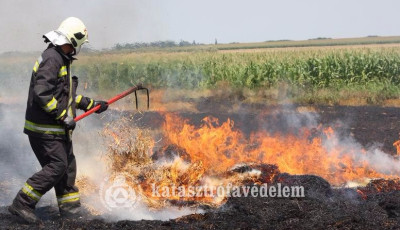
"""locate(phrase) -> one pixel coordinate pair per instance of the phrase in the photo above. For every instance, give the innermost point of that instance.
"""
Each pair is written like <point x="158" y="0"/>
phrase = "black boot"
<point x="70" y="210"/>
<point x="25" y="213"/>
<point x="23" y="206"/>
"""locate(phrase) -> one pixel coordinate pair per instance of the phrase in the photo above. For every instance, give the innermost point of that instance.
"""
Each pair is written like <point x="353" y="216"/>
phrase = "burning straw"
<point x="130" y="153"/>
<point x="218" y="155"/>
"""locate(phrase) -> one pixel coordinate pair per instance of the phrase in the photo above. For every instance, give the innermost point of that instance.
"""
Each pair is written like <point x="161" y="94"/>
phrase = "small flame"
<point x="397" y="146"/>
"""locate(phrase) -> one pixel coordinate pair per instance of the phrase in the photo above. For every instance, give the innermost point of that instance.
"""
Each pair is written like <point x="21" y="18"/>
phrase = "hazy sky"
<point x="22" y="22"/>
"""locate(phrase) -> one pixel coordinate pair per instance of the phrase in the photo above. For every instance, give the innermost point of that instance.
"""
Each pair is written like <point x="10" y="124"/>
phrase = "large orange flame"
<point x="218" y="154"/>
<point x="220" y="146"/>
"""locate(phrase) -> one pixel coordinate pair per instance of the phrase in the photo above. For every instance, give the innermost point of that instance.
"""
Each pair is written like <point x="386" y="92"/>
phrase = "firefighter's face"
<point x="67" y="48"/>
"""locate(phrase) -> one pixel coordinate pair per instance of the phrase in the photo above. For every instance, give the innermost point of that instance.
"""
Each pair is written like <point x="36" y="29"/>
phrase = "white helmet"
<point x="75" y="31"/>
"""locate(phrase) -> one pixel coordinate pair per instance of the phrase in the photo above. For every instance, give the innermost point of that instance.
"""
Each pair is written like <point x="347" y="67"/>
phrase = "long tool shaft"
<point x="116" y="98"/>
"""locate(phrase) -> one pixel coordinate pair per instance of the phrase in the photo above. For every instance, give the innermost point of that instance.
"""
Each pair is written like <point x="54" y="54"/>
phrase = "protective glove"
<point x="103" y="106"/>
<point x="69" y="123"/>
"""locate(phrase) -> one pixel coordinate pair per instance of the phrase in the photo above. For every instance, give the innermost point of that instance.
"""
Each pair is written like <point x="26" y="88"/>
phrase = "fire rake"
<point x="116" y="98"/>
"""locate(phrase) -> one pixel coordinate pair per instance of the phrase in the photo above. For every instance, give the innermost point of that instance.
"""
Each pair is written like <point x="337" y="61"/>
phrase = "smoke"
<point x="291" y="119"/>
<point x="372" y="155"/>
<point x="17" y="161"/>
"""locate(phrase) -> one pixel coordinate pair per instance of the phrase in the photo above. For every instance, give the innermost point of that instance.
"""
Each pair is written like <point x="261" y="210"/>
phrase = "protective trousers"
<point x="58" y="170"/>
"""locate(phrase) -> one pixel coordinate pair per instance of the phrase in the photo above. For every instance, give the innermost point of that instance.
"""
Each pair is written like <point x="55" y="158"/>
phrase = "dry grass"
<point x="129" y="148"/>
<point x="130" y="155"/>
<point x="86" y="191"/>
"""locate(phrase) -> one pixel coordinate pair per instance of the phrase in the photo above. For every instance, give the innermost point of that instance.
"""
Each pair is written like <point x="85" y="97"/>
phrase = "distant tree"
<point x="117" y="46"/>
<point x="184" y="43"/>
<point x="319" y="38"/>
<point x="157" y="44"/>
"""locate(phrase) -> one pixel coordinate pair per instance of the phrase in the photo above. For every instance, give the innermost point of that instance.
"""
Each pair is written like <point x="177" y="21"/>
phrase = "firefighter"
<point x="51" y="108"/>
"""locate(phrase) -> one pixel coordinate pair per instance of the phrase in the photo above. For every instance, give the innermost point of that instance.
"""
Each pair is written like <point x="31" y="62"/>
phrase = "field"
<point x="322" y="114"/>
<point x="343" y="72"/>
<point x="369" y="74"/>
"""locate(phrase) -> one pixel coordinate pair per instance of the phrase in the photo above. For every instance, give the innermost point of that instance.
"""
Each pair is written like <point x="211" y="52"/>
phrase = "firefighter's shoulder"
<point x="52" y="54"/>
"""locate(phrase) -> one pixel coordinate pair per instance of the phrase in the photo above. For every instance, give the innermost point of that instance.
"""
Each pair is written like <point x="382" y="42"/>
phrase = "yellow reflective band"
<point x="36" y="66"/>
<point x="71" y="197"/>
<point x="46" y="129"/>
<point x="90" y="104"/>
<point x="68" y="200"/>
<point x="51" y="105"/>
<point x="37" y="63"/>
<point x="32" y="193"/>
<point x="63" y="71"/>
<point x="61" y="115"/>
<point x="78" y="99"/>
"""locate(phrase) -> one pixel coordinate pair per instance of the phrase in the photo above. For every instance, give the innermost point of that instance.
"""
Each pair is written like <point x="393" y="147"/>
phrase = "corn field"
<point x="304" y="68"/>
<point x="306" y="71"/>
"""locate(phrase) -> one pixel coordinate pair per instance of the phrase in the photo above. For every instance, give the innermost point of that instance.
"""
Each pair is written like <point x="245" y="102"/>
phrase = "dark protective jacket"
<point x="52" y="95"/>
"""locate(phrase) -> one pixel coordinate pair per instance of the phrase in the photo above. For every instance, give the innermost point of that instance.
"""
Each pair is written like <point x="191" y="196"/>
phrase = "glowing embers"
<point x="379" y="186"/>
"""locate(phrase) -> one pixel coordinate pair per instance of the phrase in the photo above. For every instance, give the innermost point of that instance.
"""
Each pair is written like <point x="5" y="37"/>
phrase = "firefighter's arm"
<point x="86" y="104"/>
<point x="44" y="84"/>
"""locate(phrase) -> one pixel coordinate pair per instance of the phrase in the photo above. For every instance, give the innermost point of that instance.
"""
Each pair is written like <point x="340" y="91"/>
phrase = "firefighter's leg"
<point x="67" y="193"/>
<point x="52" y="156"/>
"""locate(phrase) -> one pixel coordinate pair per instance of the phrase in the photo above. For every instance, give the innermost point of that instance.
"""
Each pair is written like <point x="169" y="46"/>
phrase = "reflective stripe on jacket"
<point x="52" y="95"/>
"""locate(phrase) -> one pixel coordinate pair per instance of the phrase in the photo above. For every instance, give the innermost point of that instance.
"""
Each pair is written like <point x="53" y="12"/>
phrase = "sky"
<point x="22" y="23"/>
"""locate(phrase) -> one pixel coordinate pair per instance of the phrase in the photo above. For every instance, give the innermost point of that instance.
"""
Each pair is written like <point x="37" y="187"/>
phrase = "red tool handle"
<point x="112" y="100"/>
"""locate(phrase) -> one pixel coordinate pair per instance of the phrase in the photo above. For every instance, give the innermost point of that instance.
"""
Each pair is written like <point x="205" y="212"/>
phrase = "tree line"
<point x="156" y="44"/>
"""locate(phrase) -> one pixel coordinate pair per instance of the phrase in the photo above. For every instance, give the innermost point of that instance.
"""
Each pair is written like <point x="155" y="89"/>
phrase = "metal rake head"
<point x="140" y="87"/>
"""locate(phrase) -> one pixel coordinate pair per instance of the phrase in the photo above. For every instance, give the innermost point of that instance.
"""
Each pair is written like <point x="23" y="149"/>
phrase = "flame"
<point x="397" y="146"/>
<point x="217" y="154"/>
<point x="219" y="147"/>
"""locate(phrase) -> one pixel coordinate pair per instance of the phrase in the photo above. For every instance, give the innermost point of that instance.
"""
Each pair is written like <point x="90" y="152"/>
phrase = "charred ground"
<point x="323" y="207"/>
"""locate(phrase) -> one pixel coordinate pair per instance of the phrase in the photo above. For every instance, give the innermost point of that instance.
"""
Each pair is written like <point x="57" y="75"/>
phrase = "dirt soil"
<point x="323" y="207"/>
